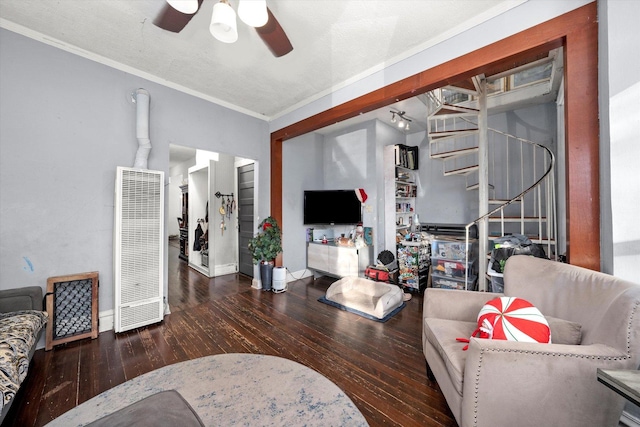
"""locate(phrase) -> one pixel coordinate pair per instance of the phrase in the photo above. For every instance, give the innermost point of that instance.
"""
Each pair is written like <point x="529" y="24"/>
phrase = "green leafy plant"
<point x="267" y="244"/>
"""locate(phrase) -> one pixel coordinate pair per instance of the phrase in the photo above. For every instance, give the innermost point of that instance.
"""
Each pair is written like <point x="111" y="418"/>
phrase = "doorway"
<point x="230" y="181"/>
<point x="246" y="185"/>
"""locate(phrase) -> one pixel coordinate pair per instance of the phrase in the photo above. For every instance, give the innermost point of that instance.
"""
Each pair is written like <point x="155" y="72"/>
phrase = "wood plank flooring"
<point x="380" y="366"/>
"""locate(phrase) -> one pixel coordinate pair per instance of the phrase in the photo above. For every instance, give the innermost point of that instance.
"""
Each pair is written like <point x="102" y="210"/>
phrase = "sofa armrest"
<point x="455" y="304"/>
<point x="538" y="375"/>
<point x="27" y="298"/>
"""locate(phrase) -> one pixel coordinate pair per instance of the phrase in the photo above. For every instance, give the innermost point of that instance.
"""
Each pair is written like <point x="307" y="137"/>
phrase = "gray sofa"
<point x="21" y="324"/>
<point x="507" y="383"/>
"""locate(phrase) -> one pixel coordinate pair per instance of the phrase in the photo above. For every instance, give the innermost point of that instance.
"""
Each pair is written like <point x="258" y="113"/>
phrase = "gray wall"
<point x="619" y="86"/>
<point x="350" y="163"/>
<point x="302" y="169"/>
<point x="441" y="199"/>
<point x="66" y="123"/>
<point x="619" y="104"/>
<point x="347" y="159"/>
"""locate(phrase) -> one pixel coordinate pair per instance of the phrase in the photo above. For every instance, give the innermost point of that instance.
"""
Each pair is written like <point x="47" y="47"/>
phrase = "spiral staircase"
<point x="514" y="177"/>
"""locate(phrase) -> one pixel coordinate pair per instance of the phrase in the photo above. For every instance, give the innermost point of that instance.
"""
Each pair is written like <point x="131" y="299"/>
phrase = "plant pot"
<point x="266" y="274"/>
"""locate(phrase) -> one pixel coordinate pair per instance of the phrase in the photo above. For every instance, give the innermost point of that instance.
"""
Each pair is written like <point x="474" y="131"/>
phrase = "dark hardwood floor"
<point x="380" y="366"/>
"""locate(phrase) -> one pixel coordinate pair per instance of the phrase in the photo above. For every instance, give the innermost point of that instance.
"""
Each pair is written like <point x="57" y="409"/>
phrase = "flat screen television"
<point x="331" y="207"/>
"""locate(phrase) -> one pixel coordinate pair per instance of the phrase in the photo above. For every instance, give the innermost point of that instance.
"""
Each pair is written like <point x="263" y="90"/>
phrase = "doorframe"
<point x="577" y="33"/>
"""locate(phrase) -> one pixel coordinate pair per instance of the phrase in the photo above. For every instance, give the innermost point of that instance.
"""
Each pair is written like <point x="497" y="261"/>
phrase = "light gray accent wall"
<point x="441" y="199"/>
<point x="385" y="135"/>
<point x="66" y="123"/>
<point x="619" y="94"/>
<point x="302" y="169"/>
<point x="179" y="175"/>
<point x="350" y="163"/>
<point x="225" y="242"/>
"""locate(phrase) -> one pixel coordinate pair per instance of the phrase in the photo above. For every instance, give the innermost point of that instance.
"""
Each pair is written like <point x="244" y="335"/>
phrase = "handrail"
<point x="513" y="199"/>
<point x="436" y="100"/>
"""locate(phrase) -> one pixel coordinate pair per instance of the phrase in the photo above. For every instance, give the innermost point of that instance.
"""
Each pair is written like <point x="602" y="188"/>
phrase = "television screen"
<point x="331" y="207"/>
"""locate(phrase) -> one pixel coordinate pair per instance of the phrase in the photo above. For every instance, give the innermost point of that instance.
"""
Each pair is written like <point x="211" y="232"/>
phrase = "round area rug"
<point x="233" y="389"/>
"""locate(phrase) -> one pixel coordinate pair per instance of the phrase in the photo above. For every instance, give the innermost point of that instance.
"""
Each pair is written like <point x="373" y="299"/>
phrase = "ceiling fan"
<point x="176" y="14"/>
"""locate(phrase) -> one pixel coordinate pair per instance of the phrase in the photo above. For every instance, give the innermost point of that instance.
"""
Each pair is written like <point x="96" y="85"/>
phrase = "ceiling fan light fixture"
<point x="185" y="6"/>
<point x="253" y="12"/>
<point x="224" y="26"/>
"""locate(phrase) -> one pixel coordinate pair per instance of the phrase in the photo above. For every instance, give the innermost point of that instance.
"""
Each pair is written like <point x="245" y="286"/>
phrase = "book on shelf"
<point x="406" y="156"/>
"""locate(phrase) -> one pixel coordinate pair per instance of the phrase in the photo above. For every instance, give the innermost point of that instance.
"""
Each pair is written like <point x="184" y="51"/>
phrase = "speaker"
<point x="279" y="281"/>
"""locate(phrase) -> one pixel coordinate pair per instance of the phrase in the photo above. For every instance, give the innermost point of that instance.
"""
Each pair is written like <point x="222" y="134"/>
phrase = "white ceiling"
<point x="335" y="42"/>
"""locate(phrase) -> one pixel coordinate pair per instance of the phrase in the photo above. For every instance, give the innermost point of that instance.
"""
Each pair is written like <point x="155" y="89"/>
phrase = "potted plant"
<point x="264" y="248"/>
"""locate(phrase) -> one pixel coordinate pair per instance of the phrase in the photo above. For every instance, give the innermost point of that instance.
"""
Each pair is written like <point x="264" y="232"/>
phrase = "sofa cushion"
<point x="442" y="334"/>
<point x="18" y="333"/>
<point x="564" y="331"/>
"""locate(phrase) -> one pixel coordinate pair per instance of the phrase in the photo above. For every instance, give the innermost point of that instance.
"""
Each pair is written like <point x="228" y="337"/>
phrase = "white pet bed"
<point x="376" y="299"/>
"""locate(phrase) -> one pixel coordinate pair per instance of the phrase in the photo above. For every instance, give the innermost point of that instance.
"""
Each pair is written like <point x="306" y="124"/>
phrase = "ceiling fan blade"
<point x="171" y="20"/>
<point x="274" y="36"/>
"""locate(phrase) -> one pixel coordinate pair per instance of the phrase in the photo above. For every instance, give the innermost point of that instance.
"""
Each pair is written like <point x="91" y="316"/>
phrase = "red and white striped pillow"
<point x="511" y="319"/>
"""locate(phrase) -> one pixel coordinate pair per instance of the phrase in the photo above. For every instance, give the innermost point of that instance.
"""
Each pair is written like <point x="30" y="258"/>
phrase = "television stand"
<point x="338" y="261"/>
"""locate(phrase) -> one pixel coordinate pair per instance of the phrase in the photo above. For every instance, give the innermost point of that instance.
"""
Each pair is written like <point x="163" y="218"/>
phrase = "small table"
<point x="622" y="381"/>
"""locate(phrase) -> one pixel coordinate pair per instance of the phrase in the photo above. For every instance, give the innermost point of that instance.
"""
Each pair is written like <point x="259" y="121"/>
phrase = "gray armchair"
<point x="506" y="383"/>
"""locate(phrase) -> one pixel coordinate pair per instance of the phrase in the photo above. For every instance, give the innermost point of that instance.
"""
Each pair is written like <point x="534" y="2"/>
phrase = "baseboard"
<point x="629" y="420"/>
<point x="105" y="320"/>
<point x="222" y="269"/>
<point x="297" y="275"/>
<point x="291" y="277"/>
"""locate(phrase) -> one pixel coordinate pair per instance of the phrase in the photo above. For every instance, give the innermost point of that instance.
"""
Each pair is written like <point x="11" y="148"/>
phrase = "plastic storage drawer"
<point x="450" y="249"/>
<point x="451" y="267"/>
<point x="444" y="282"/>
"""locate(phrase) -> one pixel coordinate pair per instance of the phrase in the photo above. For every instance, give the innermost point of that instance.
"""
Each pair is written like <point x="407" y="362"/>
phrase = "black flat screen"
<point x="331" y="207"/>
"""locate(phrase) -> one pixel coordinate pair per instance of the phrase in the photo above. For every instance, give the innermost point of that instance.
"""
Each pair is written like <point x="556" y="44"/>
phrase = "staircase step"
<point x="476" y="186"/>
<point x="454" y="153"/>
<point x="501" y="201"/>
<point x="516" y="219"/>
<point x="450" y="112"/>
<point x="439" y="136"/>
<point x="452" y="109"/>
<point x="462" y="171"/>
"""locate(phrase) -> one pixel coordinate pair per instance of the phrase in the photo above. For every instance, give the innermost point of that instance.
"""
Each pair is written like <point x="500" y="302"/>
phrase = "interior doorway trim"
<point x="577" y="32"/>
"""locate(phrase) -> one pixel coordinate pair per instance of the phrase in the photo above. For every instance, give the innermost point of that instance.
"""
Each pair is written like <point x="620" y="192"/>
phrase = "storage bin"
<point x="444" y="282"/>
<point x="449" y="249"/>
<point x="451" y="267"/>
<point x="497" y="279"/>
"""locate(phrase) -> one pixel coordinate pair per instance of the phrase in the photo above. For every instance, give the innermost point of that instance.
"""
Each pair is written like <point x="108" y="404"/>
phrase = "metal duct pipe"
<point x="141" y="98"/>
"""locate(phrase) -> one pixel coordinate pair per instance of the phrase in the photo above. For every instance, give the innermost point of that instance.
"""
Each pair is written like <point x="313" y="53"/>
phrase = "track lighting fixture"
<point x="403" y="122"/>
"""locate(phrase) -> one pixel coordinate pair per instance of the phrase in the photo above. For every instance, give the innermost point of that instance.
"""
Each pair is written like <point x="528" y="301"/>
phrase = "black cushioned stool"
<point x="167" y="409"/>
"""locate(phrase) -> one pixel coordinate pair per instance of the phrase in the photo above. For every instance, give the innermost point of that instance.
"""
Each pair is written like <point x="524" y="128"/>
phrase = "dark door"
<point x="245" y="217"/>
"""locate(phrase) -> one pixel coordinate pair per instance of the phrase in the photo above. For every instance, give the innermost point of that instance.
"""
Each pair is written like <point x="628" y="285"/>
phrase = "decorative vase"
<point x="266" y="274"/>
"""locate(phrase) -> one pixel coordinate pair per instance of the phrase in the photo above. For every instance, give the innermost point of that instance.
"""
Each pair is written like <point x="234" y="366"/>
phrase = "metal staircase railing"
<point x="543" y="204"/>
<point x="452" y="128"/>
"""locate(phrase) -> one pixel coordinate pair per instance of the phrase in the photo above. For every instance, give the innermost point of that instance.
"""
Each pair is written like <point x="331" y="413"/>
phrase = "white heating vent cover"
<point x="138" y="248"/>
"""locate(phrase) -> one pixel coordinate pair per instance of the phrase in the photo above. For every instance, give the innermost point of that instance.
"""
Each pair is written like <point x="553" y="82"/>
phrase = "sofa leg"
<point x="430" y="372"/>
